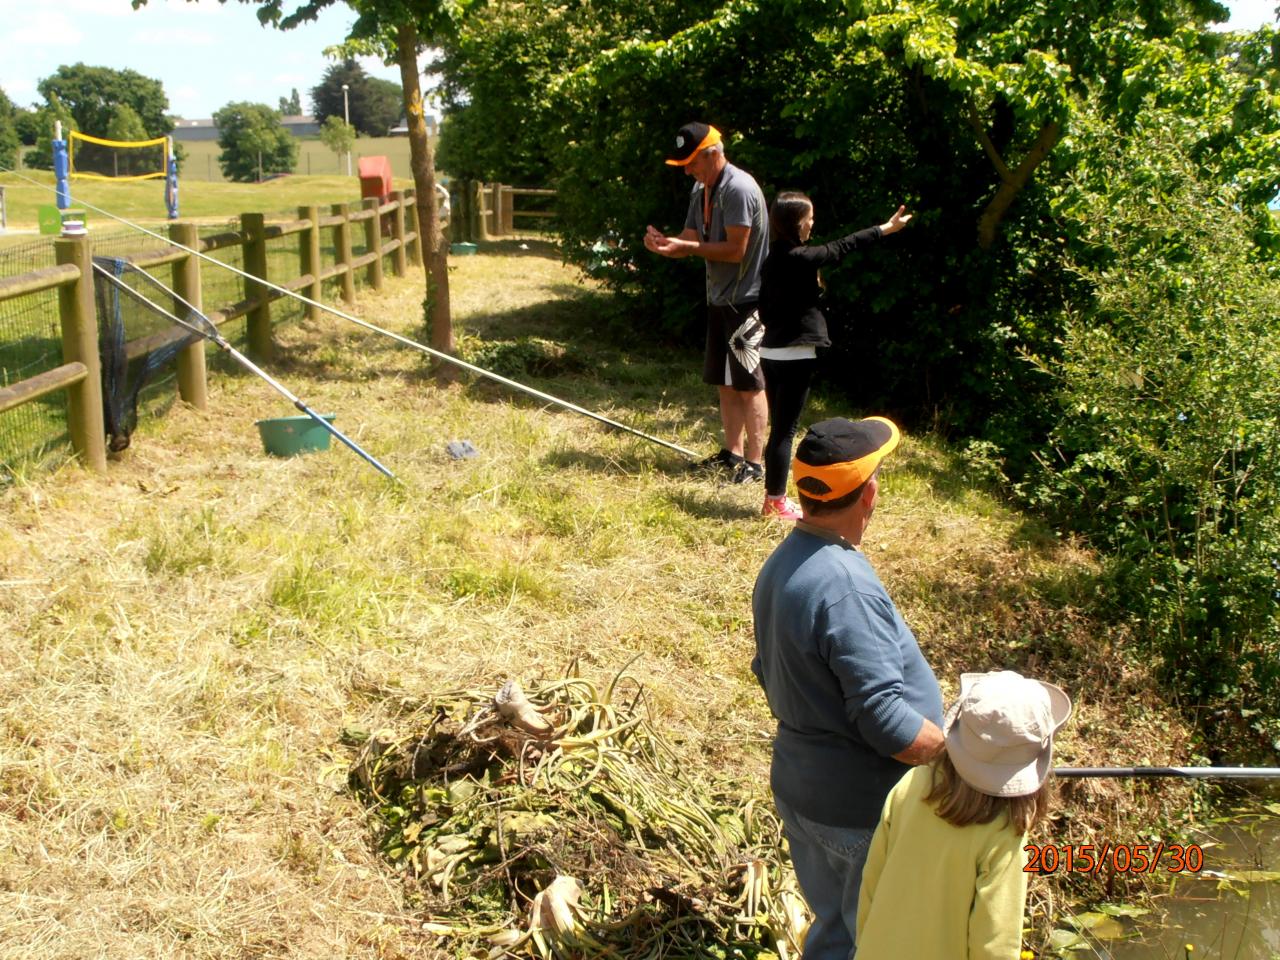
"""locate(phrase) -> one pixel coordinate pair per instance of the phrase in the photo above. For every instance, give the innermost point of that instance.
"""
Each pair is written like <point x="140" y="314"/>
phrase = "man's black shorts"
<point x="721" y="366"/>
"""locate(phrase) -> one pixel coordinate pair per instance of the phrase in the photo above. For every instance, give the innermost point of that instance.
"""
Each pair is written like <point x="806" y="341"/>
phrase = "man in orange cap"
<point x="727" y="225"/>
<point x="856" y="703"/>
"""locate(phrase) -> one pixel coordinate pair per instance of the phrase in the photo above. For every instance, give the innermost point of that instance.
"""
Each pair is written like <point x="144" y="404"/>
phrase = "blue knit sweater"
<point x="843" y="675"/>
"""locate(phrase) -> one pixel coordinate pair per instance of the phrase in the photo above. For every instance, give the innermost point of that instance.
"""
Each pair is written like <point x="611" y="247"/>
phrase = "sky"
<point x="208" y="54"/>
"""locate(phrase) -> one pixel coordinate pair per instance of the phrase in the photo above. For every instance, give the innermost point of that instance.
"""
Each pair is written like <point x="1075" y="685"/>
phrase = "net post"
<point x="193" y="385"/>
<point x="85" y="421"/>
<point x="342" y="246"/>
<point x="61" y="167"/>
<point x="373" y="242"/>
<point x="309" y="256"/>
<point x="398" y="259"/>
<point x="258" y="319"/>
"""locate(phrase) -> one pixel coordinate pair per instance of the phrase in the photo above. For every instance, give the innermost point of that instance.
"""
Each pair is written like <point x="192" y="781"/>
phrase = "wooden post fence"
<point x="258" y="320"/>
<point x="342" y="247"/>
<point x="193" y="384"/>
<point x="309" y="257"/>
<point x="373" y="242"/>
<point x="398" y="259"/>
<point x="80" y="345"/>
<point x="417" y="251"/>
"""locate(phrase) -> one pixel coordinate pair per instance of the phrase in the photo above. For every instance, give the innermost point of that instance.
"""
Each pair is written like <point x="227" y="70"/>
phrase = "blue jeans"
<point x="828" y="862"/>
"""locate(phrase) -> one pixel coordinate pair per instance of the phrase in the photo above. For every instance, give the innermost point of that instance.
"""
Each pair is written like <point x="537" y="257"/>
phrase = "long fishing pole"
<point x="439" y="355"/>
<point x="218" y="340"/>
<point x="1192" y="773"/>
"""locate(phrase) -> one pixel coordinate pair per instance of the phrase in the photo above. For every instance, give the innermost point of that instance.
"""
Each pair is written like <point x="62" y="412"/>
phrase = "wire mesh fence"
<point x="30" y="331"/>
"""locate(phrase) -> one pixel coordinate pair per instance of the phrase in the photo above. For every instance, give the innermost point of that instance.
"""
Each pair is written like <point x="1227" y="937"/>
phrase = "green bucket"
<point x="463" y="249"/>
<point x="289" y="436"/>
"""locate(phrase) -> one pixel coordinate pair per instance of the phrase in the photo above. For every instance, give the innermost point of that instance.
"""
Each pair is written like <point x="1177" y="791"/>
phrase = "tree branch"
<point x="1013" y="183"/>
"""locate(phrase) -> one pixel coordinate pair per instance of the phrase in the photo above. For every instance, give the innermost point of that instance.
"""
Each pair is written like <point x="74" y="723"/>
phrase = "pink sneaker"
<point x="783" y="508"/>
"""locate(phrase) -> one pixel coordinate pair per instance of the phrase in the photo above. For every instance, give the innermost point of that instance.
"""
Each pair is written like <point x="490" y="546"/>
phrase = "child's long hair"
<point x="789" y="208"/>
<point x="960" y="804"/>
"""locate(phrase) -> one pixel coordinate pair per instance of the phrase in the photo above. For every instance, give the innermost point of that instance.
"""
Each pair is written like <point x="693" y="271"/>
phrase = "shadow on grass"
<point x="672" y="464"/>
<point x="710" y="505"/>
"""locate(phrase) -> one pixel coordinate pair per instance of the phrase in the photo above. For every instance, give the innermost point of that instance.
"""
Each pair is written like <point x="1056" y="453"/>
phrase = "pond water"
<point x="1229" y="911"/>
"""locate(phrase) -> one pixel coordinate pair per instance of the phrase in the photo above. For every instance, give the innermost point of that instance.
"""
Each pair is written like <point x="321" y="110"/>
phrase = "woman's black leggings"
<point x="786" y="387"/>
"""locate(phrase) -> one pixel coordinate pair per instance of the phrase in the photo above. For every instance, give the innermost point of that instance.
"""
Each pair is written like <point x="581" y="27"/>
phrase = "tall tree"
<point x="125" y="125"/>
<point x="291" y="106"/>
<point x="40" y="157"/>
<point x="8" y="133"/>
<point x="253" y="142"/>
<point x="398" y="30"/>
<point x="374" y="105"/>
<point x="93" y="93"/>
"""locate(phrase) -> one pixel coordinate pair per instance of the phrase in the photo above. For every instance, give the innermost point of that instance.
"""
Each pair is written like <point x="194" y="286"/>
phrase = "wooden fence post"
<point x="342" y="245"/>
<point x="495" y="209"/>
<point x="85" y="423"/>
<point x="309" y="257"/>
<point x="258" y="320"/>
<point x="479" y="227"/>
<point x="508" y="210"/>
<point x="373" y="242"/>
<point x="416" y="249"/>
<point x="193" y="385"/>
<point x="460" y="215"/>
<point x="397" y="233"/>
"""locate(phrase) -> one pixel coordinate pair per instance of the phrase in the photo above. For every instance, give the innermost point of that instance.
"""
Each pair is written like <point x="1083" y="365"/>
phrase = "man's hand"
<point x="675" y="247"/>
<point x="927" y="745"/>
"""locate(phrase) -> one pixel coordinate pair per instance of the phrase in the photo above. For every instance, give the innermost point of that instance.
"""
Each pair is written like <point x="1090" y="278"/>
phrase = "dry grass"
<point x="184" y="637"/>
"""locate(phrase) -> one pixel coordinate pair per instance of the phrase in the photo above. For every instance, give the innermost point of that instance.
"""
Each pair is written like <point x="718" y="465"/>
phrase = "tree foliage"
<point x="374" y="104"/>
<point x="253" y="142"/>
<point x="291" y="106"/>
<point x="9" y="140"/>
<point x="1166" y="445"/>
<point x="40" y="157"/>
<point x="91" y="94"/>
<point x="125" y="124"/>
<point x="337" y="136"/>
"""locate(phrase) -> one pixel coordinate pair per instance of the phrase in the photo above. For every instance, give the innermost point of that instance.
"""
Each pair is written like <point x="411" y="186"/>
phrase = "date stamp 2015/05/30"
<point x="1117" y="857"/>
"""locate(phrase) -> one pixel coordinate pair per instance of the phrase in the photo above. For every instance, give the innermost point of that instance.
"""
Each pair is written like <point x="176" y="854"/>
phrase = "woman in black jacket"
<point x="794" y="327"/>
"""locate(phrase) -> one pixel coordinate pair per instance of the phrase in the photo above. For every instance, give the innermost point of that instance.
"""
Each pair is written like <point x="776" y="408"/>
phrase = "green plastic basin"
<point x="289" y="436"/>
<point x="463" y="249"/>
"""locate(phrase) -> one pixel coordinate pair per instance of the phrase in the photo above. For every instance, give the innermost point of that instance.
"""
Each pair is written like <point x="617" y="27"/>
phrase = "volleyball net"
<point x="94" y="158"/>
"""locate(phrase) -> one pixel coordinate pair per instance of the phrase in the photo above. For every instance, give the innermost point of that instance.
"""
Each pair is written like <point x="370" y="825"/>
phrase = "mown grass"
<point x="183" y="638"/>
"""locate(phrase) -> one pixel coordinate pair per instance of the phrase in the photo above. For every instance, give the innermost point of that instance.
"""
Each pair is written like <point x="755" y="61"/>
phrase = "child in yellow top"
<point x="944" y="877"/>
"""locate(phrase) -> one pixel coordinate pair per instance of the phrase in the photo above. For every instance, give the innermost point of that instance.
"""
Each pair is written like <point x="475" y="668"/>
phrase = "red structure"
<point x="375" y="178"/>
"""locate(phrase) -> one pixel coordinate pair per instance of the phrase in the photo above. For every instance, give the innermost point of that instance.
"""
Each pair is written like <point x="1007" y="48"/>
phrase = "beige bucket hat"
<point x="1000" y="731"/>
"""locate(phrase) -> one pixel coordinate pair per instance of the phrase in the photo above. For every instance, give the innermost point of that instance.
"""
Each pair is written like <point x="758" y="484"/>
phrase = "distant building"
<point x="194" y="130"/>
<point x="299" y="126"/>
<point x="401" y="129"/>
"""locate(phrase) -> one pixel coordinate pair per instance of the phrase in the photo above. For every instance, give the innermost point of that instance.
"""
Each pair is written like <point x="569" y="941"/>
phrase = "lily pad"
<point x="1061" y="940"/>
<point x="1098" y="924"/>
<point x="1123" y="910"/>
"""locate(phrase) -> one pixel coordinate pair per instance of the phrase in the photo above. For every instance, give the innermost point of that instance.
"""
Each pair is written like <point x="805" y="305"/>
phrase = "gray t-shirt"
<point x="736" y="201"/>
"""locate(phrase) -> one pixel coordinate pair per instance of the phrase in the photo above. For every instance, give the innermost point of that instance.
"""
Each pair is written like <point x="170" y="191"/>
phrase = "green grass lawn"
<point x="199" y="200"/>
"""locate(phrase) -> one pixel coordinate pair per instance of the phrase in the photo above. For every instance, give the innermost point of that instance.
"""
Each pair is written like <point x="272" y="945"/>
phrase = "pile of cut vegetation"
<point x="562" y="824"/>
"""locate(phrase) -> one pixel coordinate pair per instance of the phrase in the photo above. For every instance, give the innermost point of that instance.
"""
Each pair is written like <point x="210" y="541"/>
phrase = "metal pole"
<point x="1190" y="773"/>
<point x="346" y="118"/>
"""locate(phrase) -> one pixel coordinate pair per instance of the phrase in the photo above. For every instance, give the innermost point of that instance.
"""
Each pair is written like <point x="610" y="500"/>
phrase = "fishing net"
<point x="562" y="825"/>
<point x="122" y="292"/>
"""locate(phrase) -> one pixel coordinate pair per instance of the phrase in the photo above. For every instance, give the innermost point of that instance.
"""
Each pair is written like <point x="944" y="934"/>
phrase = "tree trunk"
<point x="1013" y="181"/>
<point x="422" y="161"/>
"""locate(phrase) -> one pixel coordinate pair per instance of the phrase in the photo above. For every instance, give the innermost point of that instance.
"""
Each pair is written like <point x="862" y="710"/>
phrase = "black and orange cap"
<point x="838" y="456"/>
<point x="692" y="138"/>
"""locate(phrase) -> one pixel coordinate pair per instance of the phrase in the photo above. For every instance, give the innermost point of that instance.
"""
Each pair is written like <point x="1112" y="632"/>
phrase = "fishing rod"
<point x="431" y="351"/>
<point x="211" y="334"/>
<point x="1191" y="773"/>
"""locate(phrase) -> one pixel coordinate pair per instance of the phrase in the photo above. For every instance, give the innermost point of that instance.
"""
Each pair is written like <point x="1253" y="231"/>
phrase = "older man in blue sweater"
<point x="856" y="703"/>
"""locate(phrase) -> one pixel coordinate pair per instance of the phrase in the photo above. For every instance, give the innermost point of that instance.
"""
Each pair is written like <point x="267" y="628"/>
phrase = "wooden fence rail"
<point x="487" y="211"/>
<point x="80" y="372"/>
